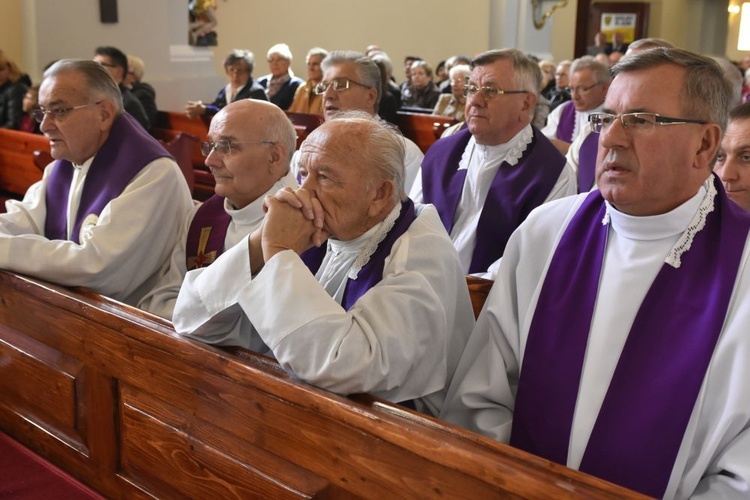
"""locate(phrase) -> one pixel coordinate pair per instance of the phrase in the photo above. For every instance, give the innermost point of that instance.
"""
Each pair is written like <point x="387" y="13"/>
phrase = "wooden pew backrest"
<point x="423" y="129"/>
<point x="17" y="168"/>
<point x="117" y="399"/>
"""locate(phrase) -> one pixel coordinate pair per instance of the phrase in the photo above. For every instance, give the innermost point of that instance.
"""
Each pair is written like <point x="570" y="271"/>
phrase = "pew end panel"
<point x="18" y="170"/>
<point x="116" y="398"/>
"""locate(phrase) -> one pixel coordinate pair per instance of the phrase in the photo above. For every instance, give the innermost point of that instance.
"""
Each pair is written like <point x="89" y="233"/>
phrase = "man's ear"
<point x="277" y="160"/>
<point x="708" y="146"/>
<point x="529" y="102"/>
<point x="107" y="112"/>
<point x="382" y="198"/>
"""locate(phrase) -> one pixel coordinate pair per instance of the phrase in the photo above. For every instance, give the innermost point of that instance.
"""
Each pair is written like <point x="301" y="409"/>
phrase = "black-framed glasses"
<point x="57" y="114"/>
<point x="488" y="92"/>
<point x="581" y="90"/>
<point x="636" y="122"/>
<point x="224" y="147"/>
<point x="338" y="84"/>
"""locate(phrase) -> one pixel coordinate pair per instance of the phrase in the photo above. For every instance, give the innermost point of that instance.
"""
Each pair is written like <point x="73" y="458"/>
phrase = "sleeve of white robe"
<point x="161" y="299"/>
<point x="553" y="120"/>
<point x="412" y="164"/>
<point x="132" y="239"/>
<point x="392" y="341"/>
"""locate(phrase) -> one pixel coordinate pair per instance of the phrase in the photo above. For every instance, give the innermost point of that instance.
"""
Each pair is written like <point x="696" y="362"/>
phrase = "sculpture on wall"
<point x="539" y="16"/>
<point x="202" y="22"/>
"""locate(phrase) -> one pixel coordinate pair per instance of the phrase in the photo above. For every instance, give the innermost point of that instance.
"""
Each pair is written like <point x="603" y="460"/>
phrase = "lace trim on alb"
<point x="517" y="150"/>
<point x="372" y="244"/>
<point x="696" y="225"/>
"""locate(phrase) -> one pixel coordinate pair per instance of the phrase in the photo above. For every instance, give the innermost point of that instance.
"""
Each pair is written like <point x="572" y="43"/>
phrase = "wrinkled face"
<point x="238" y="73"/>
<point x="332" y="167"/>
<point x="652" y="172"/>
<point x="116" y="71"/>
<point x="733" y="162"/>
<point x="245" y="173"/>
<point x="355" y="97"/>
<point x="278" y="65"/>
<point x="586" y="93"/>
<point x="78" y="135"/>
<point x="561" y="76"/>
<point x="419" y="77"/>
<point x="496" y="121"/>
<point x="314" y="71"/>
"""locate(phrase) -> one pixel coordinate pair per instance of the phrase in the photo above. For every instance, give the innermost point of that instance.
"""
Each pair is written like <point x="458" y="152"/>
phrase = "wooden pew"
<point x="118" y="400"/>
<point x="423" y="129"/>
<point x="17" y="168"/>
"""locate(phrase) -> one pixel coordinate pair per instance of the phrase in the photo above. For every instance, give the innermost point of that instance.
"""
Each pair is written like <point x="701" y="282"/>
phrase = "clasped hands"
<point x="293" y="221"/>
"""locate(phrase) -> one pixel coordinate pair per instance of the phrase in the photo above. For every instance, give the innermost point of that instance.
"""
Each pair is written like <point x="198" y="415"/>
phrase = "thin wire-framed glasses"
<point x="487" y="91"/>
<point x="224" y="147"/>
<point x="57" y="114"/>
<point x="338" y="84"/>
<point x="636" y="122"/>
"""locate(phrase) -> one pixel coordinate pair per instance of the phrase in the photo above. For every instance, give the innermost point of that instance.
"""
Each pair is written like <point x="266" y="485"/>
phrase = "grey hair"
<point x="459" y="68"/>
<point x="527" y="74"/>
<point x="367" y="71"/>
<point x="600" y="71"/>
<point x="316" y="51"/>
<point x="280" y="129"/>
<point x="238" y="55"/>
<point x="648" y="43"/>
<point x="382" y="57"/>
<point x="100" y="84"/>
<point x="384" y="148"/>
<point x="705" y="94"/>
<point x="281" y="49"/>
<point x="136" y="66"/>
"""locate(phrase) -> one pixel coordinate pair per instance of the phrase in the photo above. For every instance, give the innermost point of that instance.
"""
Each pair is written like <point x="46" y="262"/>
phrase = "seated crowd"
<point x="609" y="205"/>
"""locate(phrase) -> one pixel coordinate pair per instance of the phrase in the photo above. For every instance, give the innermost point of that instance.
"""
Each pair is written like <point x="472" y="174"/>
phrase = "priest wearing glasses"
<point x="107" y="210"/>
<point x="352" y="81"/>
<point x="485" y="179"/>
<point x="615" y="340"/>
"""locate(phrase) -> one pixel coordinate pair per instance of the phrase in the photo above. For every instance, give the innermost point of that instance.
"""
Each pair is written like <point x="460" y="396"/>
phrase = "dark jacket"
<point x="147" y="95"/>
<point x="251" y="90"/>
<point x="134" y="107"/>
<point x="11" y="104"/>
<point x="285" y="95"/>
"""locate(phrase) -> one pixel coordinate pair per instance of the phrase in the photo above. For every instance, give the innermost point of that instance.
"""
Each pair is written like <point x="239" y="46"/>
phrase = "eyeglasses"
<point x="224" y="147"/>
<point x="488" y="92"/>
<point x="338" y="84"/>
<point x="57" y="114"/>
<point x="637" y="122"/>
<point x="581" y="90"/>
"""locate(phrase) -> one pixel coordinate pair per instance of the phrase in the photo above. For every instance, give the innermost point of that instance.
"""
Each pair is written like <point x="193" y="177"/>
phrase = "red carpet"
<point x="27" y="476"/>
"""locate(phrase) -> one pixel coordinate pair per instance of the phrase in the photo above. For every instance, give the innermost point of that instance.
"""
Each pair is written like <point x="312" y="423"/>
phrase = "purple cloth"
<point x="212" y="216"/>
<point x="567" y="123"/>
<point x="123" y="155"/>
<point x="371" y="273"/>
<point x="515" y="191"/>
<point x="587" y="162"/>
<point x="653" y="391"/>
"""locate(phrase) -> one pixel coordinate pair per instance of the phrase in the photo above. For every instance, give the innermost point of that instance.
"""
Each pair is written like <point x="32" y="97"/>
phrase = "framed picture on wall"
<point x="628" y="19"/>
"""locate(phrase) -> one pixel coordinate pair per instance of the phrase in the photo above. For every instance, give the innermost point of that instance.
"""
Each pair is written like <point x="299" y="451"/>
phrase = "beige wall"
<point x="11" y="30"/>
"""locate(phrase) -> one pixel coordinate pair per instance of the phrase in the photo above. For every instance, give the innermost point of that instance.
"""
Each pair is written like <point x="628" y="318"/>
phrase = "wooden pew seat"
<point x="117" y="399"/>
<point x="17" y="168"/>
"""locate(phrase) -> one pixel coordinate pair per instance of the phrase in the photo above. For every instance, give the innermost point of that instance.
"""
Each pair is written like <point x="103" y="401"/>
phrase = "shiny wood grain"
<point x="161" y="416"/>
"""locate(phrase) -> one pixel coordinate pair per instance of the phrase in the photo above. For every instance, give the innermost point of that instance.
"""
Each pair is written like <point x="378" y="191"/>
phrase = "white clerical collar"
<point x="511" y="151"/>
<point x="84" y="167"/>
<point x="685" y="220"/>
<point x="365" y="245"/>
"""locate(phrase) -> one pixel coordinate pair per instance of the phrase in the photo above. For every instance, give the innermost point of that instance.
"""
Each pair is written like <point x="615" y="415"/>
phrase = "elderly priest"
<point x="381" y="307"/>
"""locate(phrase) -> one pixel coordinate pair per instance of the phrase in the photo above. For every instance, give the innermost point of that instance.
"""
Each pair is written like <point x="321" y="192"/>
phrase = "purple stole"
<point x="587" y="162"/>
<point x="567" y="123"/>
<point x="207" y="232"/>
<point x="515" y="191"/>
<point x="653" y="391"/>
<point x="372" y="272"/>
<point x="123" y="155"/>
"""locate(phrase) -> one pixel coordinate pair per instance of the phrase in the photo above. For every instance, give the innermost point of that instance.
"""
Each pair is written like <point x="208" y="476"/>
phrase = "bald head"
<point x="252" y="145"/>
